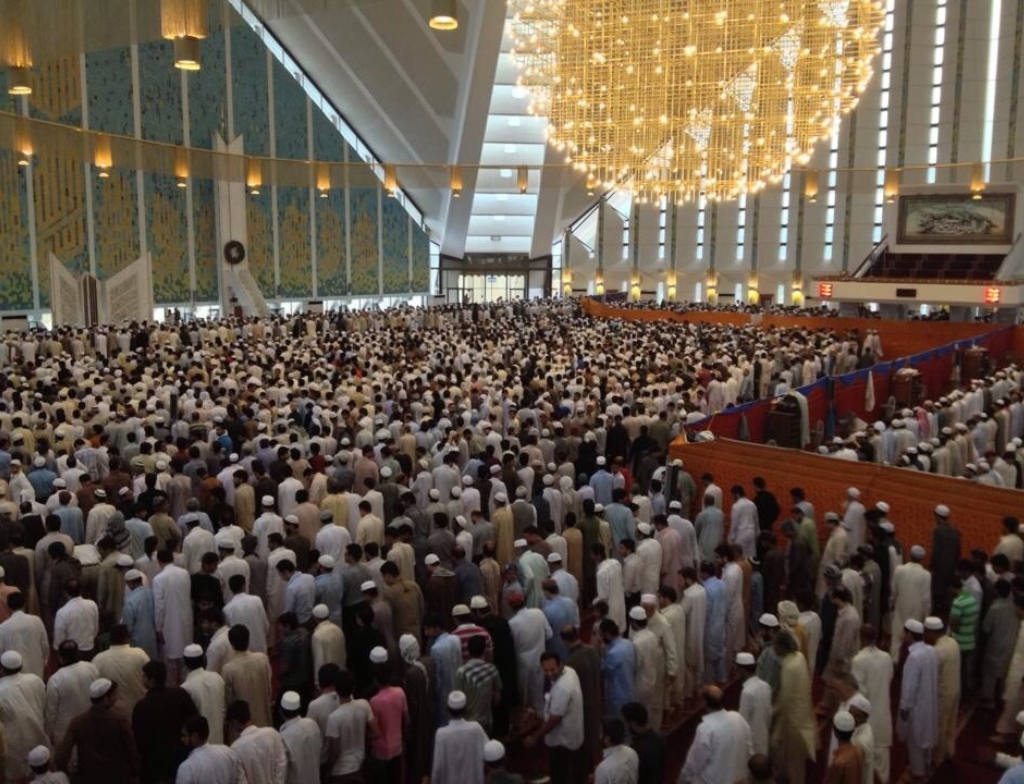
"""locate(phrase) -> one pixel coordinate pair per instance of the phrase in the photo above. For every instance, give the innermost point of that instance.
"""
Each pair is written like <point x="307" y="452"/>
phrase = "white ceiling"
<point x="422" y="97"/>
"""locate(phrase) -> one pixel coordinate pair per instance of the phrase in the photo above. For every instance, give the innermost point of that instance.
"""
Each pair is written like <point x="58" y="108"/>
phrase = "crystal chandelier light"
<point x="692" y="98"/>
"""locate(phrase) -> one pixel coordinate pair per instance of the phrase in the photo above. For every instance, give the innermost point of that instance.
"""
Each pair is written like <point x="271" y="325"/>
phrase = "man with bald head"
<point x="721" y="746"/>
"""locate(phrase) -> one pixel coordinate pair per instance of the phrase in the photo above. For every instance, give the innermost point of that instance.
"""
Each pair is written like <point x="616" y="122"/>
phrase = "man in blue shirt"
<point x="620" y="518"/>
<point x="714" y="624"/>
<point x="617" y="666"/>
<point x="560" y="612"/>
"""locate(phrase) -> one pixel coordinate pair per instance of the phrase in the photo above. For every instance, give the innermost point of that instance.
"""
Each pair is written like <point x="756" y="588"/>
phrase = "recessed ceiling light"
<point x="510" y="149"/>
<point x="501" y="197"/>
<point x="518" y="92"/>
<point x="499" y="217"/>
<point x="514" y="121"/>
<point x="506" y="174"/>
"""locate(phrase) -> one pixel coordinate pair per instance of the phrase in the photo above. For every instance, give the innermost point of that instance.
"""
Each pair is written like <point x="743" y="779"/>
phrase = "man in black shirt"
<point x="648" y="744"/>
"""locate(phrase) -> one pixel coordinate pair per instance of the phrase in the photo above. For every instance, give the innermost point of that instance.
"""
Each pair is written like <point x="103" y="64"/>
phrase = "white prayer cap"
<point x="233" y="457"/>
<point x="860" y="702"/>
<point x="644" y="528"/>
<point x="554" y="558"/>
<point x="38" y="757"/>
<point x="494" y="750"/>
<point x="934" y="624"/>
<point x="519" y="543"/>
<point x="844" y="721"/>
<point x="385" y="472"/>
<point x="467" y="480"/>
<point x="435" y="495"/>
<point x="326" y="561"/>
<point x="15" y="461"/>
<point x="456" y="700"/>
<point x="124" y="560"/>
<point x="887" y="527"/>
<point x="521" y="492"/>
<point x="942" y="510"/>
<point x="495" y="470"/>
<point x="132" y="575"/>
<point x="598" y="508"/>
<point x="192" y="651"/>
<point x="1020" y="717"/>
<point x="917" y="552"/>
<point x="461" y="520"/>
<point x="320" y="612"/>
<point x="601" y="461"/>
<point x="379" y="655"/>
<point x="500" y="498"/>
<point x="769" y="620"/>
<point x="99" y="492"/>
<point x="99" y="688"/>
<point x="638" y="614"/>
<point x="431" y="560"/>
<point x="478" y="603"/>
<point x="914" y="626"/>
<point x="59" y="483"/>
<point x="460" y="609"/>
<point x="292" y="519"/>
<point x="745" y="659"/>
<point x="267" y="500"/>
<point x="368" y="585"/>
<point x="853" y="492"/>
<point x="11" y="660"/>
<point x="548" y="480"/>
<point x="290" y="700"/>
<point x="39" y="462"/>
<point x="649" y="599"/>
<point x="225" y="542"/>
<point x="882" y="507"/>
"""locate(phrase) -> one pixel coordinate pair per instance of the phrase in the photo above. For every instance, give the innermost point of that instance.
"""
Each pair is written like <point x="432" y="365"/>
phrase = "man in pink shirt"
<point x="391" y="713"/>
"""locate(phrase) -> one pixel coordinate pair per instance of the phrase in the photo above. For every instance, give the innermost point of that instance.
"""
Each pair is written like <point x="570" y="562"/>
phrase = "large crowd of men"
<point x="393" y="546"/>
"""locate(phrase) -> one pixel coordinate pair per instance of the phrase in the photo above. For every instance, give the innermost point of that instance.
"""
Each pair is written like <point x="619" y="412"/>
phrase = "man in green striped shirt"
<point x="963" y="623"/>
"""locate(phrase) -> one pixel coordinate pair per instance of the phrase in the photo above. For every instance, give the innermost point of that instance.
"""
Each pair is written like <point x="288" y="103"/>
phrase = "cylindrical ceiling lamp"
<point x="253" y="176"/>
<point x="522" y="179"/>
<point x="184" y="22"/>
<point x="390" y="179"/>
<point x="444" y="14"/>
<point x="811" y="185"/>
<point x="753" y="289"/>
<point x="891" y="187"/>
<point x="23" y="141"/>
<point x="181" y="166"/>
<point x="323" y="179"/>
<point x="455" y="181"/>
<point x="14" y="50"/>
<point x="977" y="180"/>
<point x="102" y="155"/>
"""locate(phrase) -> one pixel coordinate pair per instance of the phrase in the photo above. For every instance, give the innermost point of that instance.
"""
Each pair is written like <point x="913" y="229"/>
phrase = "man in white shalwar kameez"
<point x="206" y="690"/>
<point x="721" y="745"/>
<point x="919" y="700"/>
<point x="67" y="691"/>
<point x="671" y="553"/>
<point x="172" y="604"/>
<point x="743" y="522"/>
<point x="530" y="633"/>
<point x="672" y="611"/>
<point x="22" y="711"/>
<point x="836" y="550"/>
<point x="662" y="630"/>
<point x="735" y="618"/>
<point x="695" y="611"/>
<point x="648" y="550"/>
<point x="649" y="678"/>
<point x="755" y="702"/>
<point x="911" y="595"/>
<point x="260" y="750"/>
<point x="246" y="609"/>
<point x="459" y="746"/>
<point x="302" y="739"/>
<point x="26" y="634"/>
<point x="853" y="520"/>
<point x="609" y="585"/>
<point x="873" y="668"/>
<point x="208" y="763"/>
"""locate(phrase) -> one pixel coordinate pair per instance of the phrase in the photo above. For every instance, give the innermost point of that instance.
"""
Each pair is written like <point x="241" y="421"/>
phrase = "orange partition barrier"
<point x="899" y="338"/>
<point x="976" y="510"/>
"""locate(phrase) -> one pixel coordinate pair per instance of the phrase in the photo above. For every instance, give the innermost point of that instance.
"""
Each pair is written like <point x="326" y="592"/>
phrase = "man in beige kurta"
<point x="504" y="529"/>
<point x="793" y="727"/>
<point x="245" y="502"/>
<point x="574" y="552"/>
<point x="247" y="677"/>
<point x="948" y="653"/>
<point x="122" y="664"/>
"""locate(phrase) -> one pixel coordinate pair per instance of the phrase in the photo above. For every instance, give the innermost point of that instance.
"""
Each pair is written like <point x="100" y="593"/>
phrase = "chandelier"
<point x="690" y="99"/>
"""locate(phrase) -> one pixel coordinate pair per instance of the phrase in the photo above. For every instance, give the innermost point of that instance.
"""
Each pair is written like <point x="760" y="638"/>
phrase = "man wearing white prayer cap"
<point x="918" y="718"/>
<point x="206" y="690"/>
<point x="848" y="764"/>
<point x="459" y="746"/>
<point x="945" y="554"/>
<point x="22" y="711"/>
<point x="911" y="594"/>
<point x="755" y="702"/>
<point x="301" y="738"/>
<point x="947" y="653"/>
